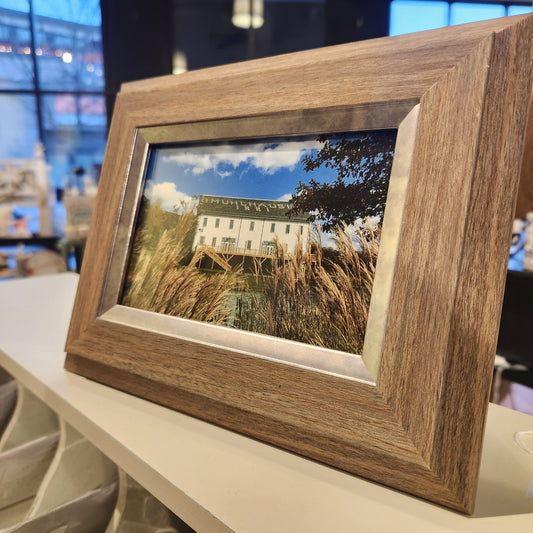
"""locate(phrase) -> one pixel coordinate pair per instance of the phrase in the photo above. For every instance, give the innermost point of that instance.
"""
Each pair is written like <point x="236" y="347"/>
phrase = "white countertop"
<point x="217" y="480"/>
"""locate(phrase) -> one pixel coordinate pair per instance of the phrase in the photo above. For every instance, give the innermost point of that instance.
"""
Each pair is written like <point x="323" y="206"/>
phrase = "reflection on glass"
<point x="276" y="236"/>
<point x="69" y="45"/>
<point x="16" y="67"/>
<point x="18" y="126"/>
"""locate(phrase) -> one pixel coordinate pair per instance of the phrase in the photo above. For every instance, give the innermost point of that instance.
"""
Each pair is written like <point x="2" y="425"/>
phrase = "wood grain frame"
<point x="419" y="425"/>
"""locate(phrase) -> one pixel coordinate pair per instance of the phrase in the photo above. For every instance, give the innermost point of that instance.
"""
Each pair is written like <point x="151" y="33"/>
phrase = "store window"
<point x="463" y="13"/>
<point x="52" y="84"/>
<point x="408" y="16"/>
<point x="18" y="125"/>
<point x="519" y="10"/>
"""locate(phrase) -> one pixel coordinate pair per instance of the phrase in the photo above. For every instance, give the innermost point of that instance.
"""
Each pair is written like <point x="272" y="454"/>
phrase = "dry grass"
<point x="159" y="281"/>
<point x="314" y="296"/>
<point x="315" y="299"/>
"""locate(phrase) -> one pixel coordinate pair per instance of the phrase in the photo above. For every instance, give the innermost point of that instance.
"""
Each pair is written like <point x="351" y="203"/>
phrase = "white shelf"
<point x="217" y="480"/>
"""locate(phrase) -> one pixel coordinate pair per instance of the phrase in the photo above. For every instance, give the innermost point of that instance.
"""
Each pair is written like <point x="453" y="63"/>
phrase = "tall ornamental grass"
<point x="316" y="297"/>
<point x="160" y="280"/>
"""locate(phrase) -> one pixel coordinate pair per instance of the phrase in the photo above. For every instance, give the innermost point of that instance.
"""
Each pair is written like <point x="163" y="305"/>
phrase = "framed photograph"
<point x="311" y="249"/>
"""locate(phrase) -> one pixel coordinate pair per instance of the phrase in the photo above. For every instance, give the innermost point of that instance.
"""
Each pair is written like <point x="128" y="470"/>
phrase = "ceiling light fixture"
<point x="248" y="13"/>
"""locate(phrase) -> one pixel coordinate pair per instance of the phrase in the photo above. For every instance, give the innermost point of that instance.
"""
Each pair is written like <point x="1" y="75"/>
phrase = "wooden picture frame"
<point x="459" y="97"/>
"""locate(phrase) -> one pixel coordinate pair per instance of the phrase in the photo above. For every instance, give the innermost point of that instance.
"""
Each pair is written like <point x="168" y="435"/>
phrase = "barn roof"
<point x="225" y="206"/>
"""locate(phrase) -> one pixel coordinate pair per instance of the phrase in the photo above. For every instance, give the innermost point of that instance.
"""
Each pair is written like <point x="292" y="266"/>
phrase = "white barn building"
<point x="248" y="226"/>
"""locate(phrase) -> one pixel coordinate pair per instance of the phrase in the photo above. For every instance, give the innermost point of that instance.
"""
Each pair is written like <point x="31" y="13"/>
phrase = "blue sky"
<point x="267" y="170"/>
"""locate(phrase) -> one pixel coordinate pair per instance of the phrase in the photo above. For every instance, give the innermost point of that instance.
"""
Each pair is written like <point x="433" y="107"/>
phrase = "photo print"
<point x="275" y="236"/>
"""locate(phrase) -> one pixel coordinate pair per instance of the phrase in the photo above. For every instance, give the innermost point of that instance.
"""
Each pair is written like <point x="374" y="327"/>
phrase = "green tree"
<point x="363" y="165"/>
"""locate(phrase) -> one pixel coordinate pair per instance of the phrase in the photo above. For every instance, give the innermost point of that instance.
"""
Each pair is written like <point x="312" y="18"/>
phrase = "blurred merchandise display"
<point x="521" y="253"/>
<point x="25" y="183"/>
<point x="32" y="219"/>
<point x="528" y="243"/>
<point x="79" y="205"/>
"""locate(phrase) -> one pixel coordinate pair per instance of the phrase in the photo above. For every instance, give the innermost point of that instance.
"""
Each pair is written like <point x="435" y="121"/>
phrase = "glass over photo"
<point x="275" y="236"/>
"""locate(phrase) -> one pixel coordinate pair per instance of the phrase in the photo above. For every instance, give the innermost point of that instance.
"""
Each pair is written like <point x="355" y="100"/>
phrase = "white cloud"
<point x="285" y="197"/>
<point x="168" y="194"/>
<point x="327" y="239"/>
<point x="267" y="158"/>
<point x="366" y="222"/>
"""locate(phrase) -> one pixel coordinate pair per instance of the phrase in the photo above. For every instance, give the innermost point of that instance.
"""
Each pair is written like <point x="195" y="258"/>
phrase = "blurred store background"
<point x="62" y="63"/>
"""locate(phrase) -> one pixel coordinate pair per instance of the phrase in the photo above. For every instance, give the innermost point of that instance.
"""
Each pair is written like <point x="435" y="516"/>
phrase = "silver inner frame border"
<point x="402" y="116"/>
